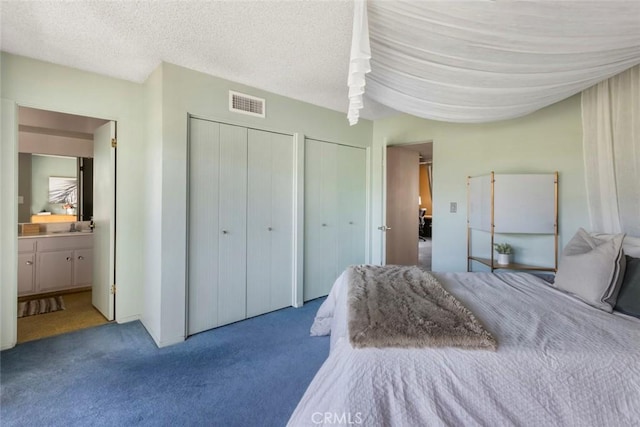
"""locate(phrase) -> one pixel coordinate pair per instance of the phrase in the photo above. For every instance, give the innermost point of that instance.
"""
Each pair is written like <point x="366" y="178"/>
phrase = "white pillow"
<point x="592" y="269"/>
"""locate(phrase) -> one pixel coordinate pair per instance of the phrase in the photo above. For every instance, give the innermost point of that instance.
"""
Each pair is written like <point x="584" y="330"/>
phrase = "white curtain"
<point x="480" y="61"/>
<point x="359" y="63"/>
<point x="611" y="139"/>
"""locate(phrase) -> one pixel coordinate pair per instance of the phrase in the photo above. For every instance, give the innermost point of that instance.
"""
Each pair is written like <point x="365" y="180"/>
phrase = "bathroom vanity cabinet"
<point x="50" y="263"/>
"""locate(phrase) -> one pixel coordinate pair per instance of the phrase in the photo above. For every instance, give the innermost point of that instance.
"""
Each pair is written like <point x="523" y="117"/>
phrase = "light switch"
<point x="453" y="207"/>
<point x="20" y="200"/>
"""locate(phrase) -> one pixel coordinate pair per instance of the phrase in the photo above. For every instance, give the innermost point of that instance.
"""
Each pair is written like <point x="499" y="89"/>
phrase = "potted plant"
<point x="504" y="252"/>
<point x="69" y="208"/>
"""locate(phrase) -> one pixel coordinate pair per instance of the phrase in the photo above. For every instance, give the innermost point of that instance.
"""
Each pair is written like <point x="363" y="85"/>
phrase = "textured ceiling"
<point x="299" y="49"/>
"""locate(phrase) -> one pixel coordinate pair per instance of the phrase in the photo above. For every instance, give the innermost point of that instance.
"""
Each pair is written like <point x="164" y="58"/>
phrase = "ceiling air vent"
<point x="246" y="104"/>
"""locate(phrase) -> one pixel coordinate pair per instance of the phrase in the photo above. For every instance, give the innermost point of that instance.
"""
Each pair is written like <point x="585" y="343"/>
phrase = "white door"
<point x="204" y="164"/>
<point x="320" y="218"/>
<point x="270" y="222"/>
<point x="352" y="190"/>
<point x="232" y="231"/>
<point x="282" y="233"/>
<point x="104" y="196"/>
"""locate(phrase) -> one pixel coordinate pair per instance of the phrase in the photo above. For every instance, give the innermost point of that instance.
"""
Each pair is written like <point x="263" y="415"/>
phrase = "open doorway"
<point x="66" y="223"/>
<point x="409" y="205"/>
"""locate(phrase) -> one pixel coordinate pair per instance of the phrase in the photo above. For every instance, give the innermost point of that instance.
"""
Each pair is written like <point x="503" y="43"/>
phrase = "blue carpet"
<point x="250" y="373"/>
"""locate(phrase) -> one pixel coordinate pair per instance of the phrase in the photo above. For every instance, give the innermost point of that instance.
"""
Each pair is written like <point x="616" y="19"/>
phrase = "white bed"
<point x="559" y="362"/>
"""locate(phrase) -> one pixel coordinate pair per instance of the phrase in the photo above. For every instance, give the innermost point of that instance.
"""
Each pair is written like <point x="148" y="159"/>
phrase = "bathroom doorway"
<point x="66" y="215"/>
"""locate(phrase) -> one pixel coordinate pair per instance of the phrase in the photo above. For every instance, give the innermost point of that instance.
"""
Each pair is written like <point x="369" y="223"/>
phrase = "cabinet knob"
<point x="80" y="257"/>
<point x="324" y="225"/>
<point x="350" y="222"/>
<point x="68" y="259"/>
<point x="270" y="229"/>
<point x="225" y="232"/>
<point x="29" y="263"/>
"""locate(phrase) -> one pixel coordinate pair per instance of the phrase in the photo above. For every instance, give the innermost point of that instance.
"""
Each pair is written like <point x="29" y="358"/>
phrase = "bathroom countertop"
<point x="55" y="234"/>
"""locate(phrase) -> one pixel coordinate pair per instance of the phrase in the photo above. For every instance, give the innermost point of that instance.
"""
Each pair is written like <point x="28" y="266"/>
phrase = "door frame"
<point x="386" y="143"/>
<point x="10" y="257"/>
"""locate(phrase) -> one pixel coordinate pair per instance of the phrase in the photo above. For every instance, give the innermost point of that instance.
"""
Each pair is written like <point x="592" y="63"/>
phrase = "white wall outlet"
<point x="453" y="207"/>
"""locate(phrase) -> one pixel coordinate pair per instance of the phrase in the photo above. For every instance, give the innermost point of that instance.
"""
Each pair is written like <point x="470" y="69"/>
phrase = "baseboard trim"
<point x="129" y="319"/>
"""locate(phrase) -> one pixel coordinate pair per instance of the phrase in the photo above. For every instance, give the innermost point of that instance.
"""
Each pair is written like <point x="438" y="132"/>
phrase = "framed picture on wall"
<point x="63" y="190"/>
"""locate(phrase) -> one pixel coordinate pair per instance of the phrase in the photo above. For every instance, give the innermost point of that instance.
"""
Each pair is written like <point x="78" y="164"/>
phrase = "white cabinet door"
<point x="352" y="206"/>
<point x="26" y="274"/>
<point x="321" y="218"/>
<point x="270" y="222"/>
<point x="204" y="164"/>
<point x="55" y="270"/>
<point x="82" y="267"/>
<point x="232" y="228"/>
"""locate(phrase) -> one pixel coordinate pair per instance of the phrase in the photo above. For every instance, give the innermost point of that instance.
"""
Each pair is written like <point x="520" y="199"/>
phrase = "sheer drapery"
<point x="359" y="62"/>
<point x="479" y="61"/>
<point x="611" y="139"/>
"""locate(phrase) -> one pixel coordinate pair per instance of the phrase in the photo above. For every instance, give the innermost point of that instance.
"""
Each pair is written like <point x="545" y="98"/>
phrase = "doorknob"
<point x="384" y="228"/>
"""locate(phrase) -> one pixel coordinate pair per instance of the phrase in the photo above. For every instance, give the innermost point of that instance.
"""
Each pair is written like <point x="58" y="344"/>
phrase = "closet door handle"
<point x="80" y="257"/>
<point x="29" y="263"/>
<point x="69" y="259"/>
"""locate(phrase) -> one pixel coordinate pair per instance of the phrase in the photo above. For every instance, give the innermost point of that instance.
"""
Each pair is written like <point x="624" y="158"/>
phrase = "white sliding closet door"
<point x="352" y="205"/>
<point x="241" y="211"/>
<point x="270" y="222"/>
<point x="202" y="261"/>
<point x="232" y="230"/>
<point x="334" y="213"/>
<point x="320" y="218"/>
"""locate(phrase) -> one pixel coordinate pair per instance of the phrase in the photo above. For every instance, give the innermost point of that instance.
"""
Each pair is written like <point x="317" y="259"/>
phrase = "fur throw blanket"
<point x="398" y="306"/>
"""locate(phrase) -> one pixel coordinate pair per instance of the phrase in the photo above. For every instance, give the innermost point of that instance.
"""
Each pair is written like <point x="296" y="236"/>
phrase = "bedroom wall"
<point x="8" y="221"/>
<point x="38" y="84"/>
<point x="152" y="200"/>
<point x="545" y="141"/>
<point x="186" y="92"/>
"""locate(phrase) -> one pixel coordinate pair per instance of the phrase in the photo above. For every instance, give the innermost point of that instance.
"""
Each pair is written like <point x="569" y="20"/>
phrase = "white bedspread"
<point x="559" y="362"/>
